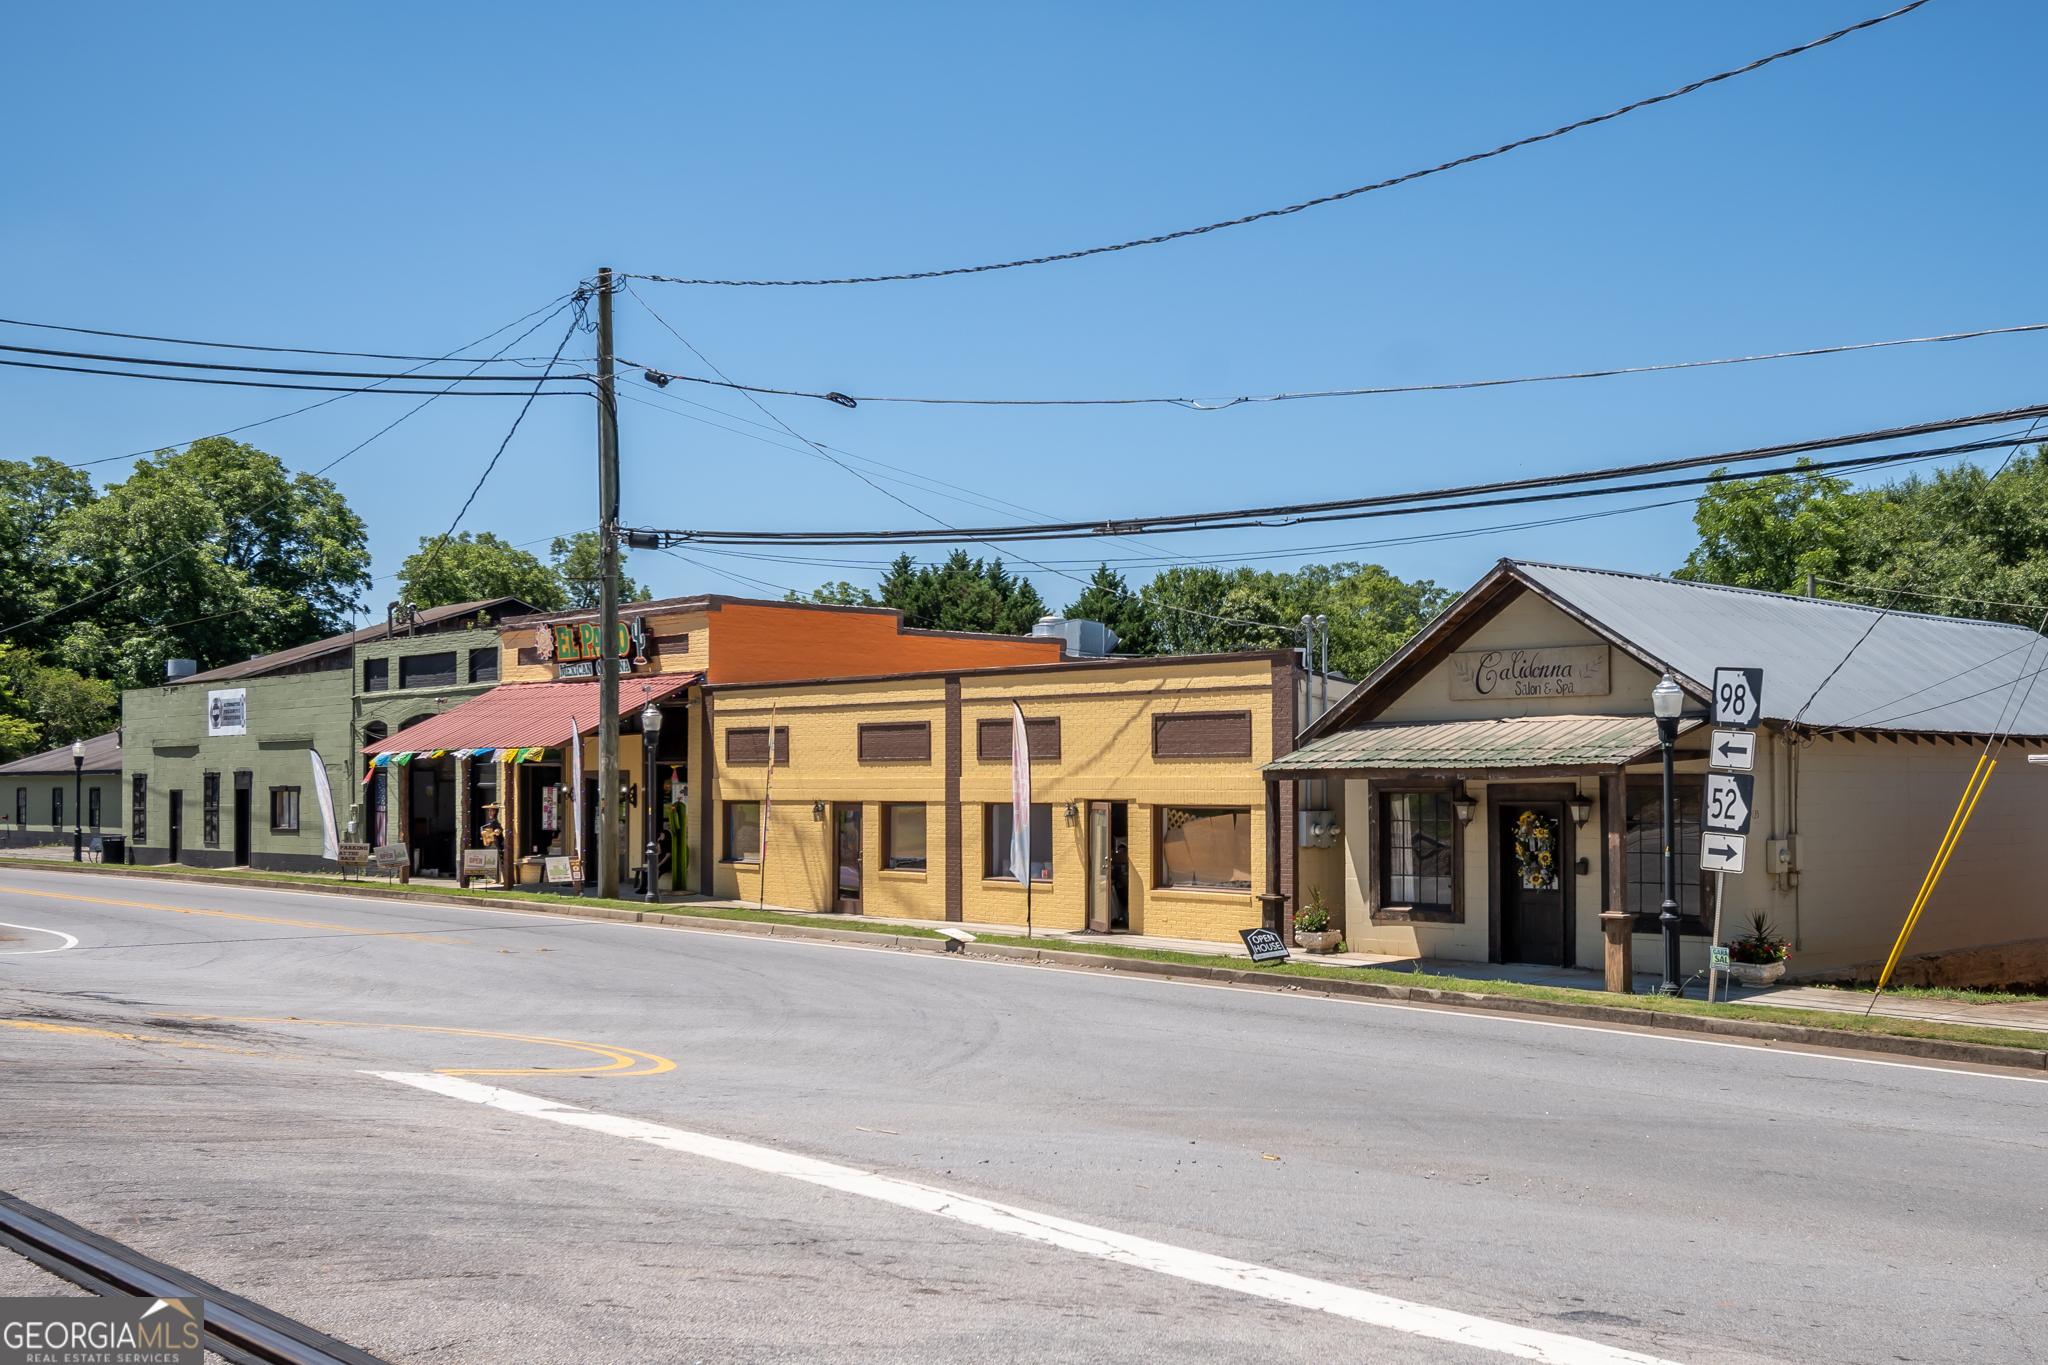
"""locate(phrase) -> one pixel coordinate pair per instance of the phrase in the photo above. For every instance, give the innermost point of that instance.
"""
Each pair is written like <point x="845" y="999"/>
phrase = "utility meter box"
<point x="1778" y="856"/>
<point x="1318" y="828"/>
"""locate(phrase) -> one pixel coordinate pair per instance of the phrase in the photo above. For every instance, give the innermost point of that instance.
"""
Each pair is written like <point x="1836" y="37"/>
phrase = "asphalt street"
<point x="192" y="1070"/>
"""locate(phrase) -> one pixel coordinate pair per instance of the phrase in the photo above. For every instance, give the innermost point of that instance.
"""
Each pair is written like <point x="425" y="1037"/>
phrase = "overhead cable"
<point x="1295" y="513"/>
<point x="276" y="384"/>
<point x="265" y="369"/>
<point x="1325" y="199"/>
<point x="243" y="346"/>
<point x="662" y="378"/>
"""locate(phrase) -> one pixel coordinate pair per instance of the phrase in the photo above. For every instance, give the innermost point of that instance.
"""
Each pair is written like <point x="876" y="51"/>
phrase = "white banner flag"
<point x="576" y="790"/>
<point x="330" y="842"/>
<point x="1020" y="799"/>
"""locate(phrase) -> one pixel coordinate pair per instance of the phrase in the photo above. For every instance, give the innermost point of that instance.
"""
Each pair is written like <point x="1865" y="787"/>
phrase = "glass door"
<point x="847" y="837"/>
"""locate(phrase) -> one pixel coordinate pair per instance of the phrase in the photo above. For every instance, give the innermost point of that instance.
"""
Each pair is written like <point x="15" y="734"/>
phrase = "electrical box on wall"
<point x="1778" y="856"/>
<point x="1318" y="828"/>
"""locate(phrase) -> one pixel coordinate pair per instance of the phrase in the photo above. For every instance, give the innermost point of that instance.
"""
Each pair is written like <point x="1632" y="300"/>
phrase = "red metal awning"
<point x="522" y="715"/>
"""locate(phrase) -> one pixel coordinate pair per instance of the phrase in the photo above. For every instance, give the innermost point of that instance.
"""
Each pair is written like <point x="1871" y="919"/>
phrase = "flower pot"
<point x="1325" y="942"/>
<point x="1756" y="973"/>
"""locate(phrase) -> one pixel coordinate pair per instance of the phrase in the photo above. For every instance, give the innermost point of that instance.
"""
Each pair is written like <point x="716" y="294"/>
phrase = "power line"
<point x="662" y="378"/>
<point x="275" y="384"/>
<point x="241" y="346"/>
<point x="260" y="369"/>
<point x="1325" y="199"/>
<point x="1351" y="508"/>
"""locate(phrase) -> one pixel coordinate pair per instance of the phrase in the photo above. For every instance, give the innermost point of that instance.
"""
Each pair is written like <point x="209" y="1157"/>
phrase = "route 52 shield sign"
<point x="1738" y="692"/>
<point x="1730" y="799"/>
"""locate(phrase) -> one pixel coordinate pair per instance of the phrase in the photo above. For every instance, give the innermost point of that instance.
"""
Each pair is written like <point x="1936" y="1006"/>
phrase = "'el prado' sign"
<point x="1570" y="671"/>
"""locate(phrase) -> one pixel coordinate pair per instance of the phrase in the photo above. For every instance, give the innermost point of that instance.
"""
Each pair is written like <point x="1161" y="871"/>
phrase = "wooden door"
<point x="846" y="827"/>
<point x="1098" y="867"/>
<point x="1531" y="850"/>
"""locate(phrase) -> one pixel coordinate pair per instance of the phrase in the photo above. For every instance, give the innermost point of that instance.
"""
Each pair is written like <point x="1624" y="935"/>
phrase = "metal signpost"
<point x="1731" y="795"/>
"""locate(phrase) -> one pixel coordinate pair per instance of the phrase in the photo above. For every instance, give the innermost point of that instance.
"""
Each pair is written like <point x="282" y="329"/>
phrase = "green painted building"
<point x="46" y="798"/>
<point x="224" y="768"/>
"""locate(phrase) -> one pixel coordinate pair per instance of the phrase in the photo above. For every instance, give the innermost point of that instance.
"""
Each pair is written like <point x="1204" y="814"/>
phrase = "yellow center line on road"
<point x="41" y="1027"/>
<point x="621" y="1059"/>
<point x="230" y="914"/>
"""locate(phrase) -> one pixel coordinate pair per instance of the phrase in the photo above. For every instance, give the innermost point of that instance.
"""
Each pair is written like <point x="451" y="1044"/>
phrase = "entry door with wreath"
<point x="1532" y="873"/>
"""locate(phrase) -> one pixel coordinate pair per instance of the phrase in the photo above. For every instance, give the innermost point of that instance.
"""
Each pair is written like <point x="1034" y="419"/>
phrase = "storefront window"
<point x="139" y="810"/>
<point x="1643" y="849"/>
<point x="1415" y="850"/>
<point x="743" y="831"/>
<point x="209" y="810"/>
<point x="284" y="809"/>
<point x="903" y="829"/>
<point x="999" y="823"/>
<point x="92" y="808"/>
<point x="57" y="807"/>
<point x="1201" y="847"/>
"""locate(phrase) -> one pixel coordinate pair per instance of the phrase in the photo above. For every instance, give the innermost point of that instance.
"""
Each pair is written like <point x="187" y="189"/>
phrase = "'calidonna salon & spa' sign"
<point x="1571" y="671"/>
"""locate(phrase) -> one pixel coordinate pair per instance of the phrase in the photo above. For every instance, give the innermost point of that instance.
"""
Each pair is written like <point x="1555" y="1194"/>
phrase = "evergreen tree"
<point x="1109" y="599"/>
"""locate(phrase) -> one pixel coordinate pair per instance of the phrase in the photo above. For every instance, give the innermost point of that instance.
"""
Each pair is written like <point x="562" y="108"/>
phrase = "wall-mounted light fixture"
<point x="1464" y="806"/>
<point x="1073" y="813"/>
<point x="818" y="811"/>
<point x="1582" y="809"/>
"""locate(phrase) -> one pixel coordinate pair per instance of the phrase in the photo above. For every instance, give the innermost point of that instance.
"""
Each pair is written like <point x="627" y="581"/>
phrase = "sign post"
<point x="1731" y="795"/>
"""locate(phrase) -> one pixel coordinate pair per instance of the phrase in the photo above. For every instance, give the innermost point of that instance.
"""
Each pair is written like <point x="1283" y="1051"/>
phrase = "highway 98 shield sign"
<point x="1738" y="694"/>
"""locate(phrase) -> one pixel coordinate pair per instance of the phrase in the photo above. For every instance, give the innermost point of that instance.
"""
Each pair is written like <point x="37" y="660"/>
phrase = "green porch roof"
<point x="1456" y="745"/>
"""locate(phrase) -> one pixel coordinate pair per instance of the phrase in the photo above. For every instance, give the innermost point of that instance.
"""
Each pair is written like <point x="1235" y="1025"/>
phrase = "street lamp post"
<point x="78" y="801"/>
<point x="650" y="733"/>
<point x="1666" y="700"/>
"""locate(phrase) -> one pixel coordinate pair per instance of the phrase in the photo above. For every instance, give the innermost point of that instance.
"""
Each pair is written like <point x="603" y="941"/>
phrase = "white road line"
<point x="69" y="942"/>
<point x="1526" y="1343"/>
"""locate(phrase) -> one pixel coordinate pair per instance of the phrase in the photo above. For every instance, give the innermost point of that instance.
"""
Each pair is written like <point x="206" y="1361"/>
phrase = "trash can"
<point x="112" y="848"/>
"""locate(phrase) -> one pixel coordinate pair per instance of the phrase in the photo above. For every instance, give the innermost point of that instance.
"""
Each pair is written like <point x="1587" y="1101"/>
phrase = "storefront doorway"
<point x="177" y="825"/>
<point x="245" y="783"/>
<point x="1109" y="862"/>
<point x="847" y="831"/>
<point x="1533" y="875"/>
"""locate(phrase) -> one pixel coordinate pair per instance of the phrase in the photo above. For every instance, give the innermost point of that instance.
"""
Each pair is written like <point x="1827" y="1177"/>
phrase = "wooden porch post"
<point x="1616" y="922"/>
<point x="1272" y="905"/>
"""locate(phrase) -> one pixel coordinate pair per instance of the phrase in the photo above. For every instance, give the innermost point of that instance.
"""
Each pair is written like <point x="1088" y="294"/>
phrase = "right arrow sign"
<point x="1730" y="797"/>
<point x="1722" y="852"/>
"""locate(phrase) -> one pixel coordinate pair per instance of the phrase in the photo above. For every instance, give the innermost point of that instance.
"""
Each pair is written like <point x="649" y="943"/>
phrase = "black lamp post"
<point x="1667" y="698"/>
<point x="650" y="734"/>
<point x="78" y="801"/>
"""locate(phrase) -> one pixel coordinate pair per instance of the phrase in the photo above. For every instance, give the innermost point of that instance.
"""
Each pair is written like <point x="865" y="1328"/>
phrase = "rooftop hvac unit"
<point x="1084" y="639"/>
<point x="175" y="669"/>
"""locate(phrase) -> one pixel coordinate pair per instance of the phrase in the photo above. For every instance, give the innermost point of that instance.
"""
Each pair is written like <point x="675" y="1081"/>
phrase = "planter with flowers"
<point x="1312" y="925"/>
<point x="1758" y="957"/>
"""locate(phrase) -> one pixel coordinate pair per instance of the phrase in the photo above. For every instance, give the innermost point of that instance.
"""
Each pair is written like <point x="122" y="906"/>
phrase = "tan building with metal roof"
<point x="1526" y="707"/>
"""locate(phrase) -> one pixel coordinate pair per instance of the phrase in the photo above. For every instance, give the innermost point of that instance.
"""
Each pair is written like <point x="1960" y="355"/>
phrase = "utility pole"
<point x="608" y="812"/>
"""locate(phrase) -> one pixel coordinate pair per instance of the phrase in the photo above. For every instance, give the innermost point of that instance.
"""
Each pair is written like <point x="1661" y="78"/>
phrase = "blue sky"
<point x="406" y="178"/>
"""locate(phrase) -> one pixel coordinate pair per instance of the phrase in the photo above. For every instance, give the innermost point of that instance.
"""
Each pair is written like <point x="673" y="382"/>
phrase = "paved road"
<point x="193" y="1077"/>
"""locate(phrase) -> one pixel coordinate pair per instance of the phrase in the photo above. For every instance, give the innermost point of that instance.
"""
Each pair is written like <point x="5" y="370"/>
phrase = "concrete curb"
<point x="1752" y="1030"/>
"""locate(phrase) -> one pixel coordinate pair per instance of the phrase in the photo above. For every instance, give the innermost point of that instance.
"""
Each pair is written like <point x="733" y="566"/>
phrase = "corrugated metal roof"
<point x="1474" y="745"/>
<point x="1944" y="674"/>
<point x="519" y="715"/>
<point x="298" y="654"/>
<point x="102" y="755"/>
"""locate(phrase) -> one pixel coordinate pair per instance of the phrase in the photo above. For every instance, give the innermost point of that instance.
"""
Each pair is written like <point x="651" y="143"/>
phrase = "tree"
<point x="471" y="568"/>
<point x="840" y="594"/>
<point x="962" y="594"/>
<point x="44" y="707"/>
<point x="1109" y="599"/>
<point x="35" y="497"/>
<point x="1370" y="612"/>
<point x="214" y="553"/>
<point x="1770" y="533"/>
<point x="18" y="729"/>
<point x="576" y="563"/>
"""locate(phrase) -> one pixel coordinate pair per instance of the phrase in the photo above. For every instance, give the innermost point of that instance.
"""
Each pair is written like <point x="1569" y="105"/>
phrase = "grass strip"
<point x="1885" y="1025"/>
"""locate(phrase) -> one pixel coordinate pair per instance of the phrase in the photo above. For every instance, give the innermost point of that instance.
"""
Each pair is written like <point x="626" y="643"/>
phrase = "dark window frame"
<point x="746" y="746"/>
<point x="292" y="805"/>
<point x="209" y="810"/>
<point x="21" y="807"/>
<point x="1160" y="821"/>
<point x="1646" y="904"/>
<point x="376" y="675"/>
<point x="991" y="851"/>
<point x="992" y="738"/>
<point x="92" y="809"/>
<point x="1379" y="907"/>
<point x="888" y="813"/>
<point x="725" y="834"/>
<point x="138" y="809"/>
<point x="483" y="664"/>
<point x="889" y="730"/>
<point x="412" y="674"/>
<point x="57" y="806"/>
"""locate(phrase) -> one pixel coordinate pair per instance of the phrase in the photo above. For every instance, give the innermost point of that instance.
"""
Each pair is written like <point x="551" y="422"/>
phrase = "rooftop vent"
<point x="1083" y="639"/>
<point x="180" y="668"/>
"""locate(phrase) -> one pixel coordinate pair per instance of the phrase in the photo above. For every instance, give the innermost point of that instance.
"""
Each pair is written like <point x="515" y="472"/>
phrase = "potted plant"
<point x="1312" y="925"/>
<point x="1758" y="957"/>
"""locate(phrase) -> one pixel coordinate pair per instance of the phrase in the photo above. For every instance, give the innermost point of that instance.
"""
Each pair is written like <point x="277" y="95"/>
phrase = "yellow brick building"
<point x="892" y="795"/>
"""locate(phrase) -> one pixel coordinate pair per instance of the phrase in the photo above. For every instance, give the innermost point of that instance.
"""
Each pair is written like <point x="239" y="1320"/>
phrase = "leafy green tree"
<point x="35" y="497"/>
<point x="19" y="733"/>
<point x="840" y="594"/>
<point x="962" y="594"/>
<point x="575" y="559"/>
<point x="1770" y="533"/>
<point x="215" y="553"/>
<point x="44" y="707"/>
<point x="1370" y="612"/>
<point x="470" y="568"/>
<point x="1109" y="599"/>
